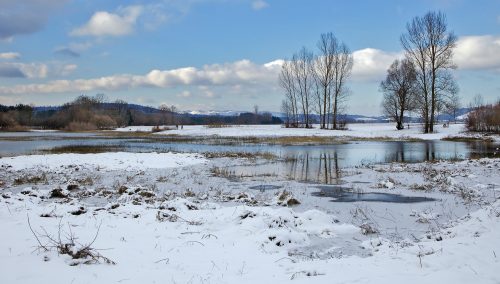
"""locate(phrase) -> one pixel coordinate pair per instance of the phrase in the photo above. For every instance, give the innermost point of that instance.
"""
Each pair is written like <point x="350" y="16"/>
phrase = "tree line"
<point x="87" y="113"/>
<point x="316" y="83"/>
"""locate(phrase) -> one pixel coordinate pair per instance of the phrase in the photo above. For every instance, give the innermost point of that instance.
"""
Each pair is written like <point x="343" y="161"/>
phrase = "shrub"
<point x="485" y="119"/>
<point x="80" y="126"/>
<point x="103" y="121"/>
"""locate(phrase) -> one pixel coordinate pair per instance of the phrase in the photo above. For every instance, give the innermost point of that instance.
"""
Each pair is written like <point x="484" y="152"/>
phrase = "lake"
<point x="307" y="163"/>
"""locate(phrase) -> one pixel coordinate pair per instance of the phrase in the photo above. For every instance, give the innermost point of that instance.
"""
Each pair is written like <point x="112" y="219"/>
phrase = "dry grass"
<point x="28" y="179"/>
<point x="218" y="125"/>
<point x="84" y="149"/>
<point x="80" y="253"/>
<point x="245" y="155"/>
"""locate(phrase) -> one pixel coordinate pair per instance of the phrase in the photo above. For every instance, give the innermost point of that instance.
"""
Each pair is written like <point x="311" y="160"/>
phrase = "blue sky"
<point x="220" y="54"/>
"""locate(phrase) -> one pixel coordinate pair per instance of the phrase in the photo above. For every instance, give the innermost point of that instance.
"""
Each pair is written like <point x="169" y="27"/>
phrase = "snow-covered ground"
<point x="107" y="161"/>
<point x="140" y="128"/>
<point x="186" y="223"/>
<point x="359" y="130"/>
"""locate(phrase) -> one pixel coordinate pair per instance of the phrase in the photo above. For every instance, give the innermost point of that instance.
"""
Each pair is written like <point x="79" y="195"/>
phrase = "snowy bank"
<point x="108" y="161"/>
<point x="360" y="130"/>
<point x="185" y="225"/>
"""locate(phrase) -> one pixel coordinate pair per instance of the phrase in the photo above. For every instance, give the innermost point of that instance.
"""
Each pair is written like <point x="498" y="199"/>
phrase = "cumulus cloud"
<point x="10" y="55"/>
<point x="478" y="52"/>
<point x="371" y="64"/>
<point x="103" y="23"/>
<point x="25" y="17"/>
<point x="259" y="4"/>
<point x="243" y="72"/>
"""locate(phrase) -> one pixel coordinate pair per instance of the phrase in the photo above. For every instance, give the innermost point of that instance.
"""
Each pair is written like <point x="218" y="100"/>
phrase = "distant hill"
<point x="144" y="109"/>
<point x="350" y="118"/>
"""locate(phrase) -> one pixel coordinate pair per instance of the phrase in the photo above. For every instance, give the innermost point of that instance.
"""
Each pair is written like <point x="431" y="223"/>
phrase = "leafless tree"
<point x="287" y="82"/>
<point x="302" y="73"/>
<point x="287" y="111"/>
<point x="399" y="88"/>
<point x="429" y="45"/>
<point x="317" y="83"/>
<point x="324" y="72"/>
<point x="452" y="105"/>
<point x="477" y="102"/>
<point x="342" y="71"/>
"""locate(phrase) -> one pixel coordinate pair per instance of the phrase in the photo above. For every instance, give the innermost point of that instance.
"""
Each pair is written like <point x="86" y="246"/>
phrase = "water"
<point x="305" y="163"/>
<point x="342" y="194"/>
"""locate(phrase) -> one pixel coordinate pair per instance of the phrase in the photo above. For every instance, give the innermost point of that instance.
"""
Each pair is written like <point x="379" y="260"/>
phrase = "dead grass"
<point x="79" y="253"/>
<point x="238" y="155"/>
<point x="218" y="125"/>
<point x="84" y="149"/>
<point x="29" y="179"/>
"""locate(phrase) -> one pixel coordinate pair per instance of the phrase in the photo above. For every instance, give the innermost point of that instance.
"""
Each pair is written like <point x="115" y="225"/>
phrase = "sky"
<point x="221" y="54"/>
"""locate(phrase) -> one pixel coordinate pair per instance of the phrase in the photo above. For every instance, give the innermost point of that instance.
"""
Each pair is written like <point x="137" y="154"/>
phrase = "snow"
<point x="140" y="128"/>
<point x="360" y="130"/>
<point x="108" y="161"/>
<point x="135" y="129"/>
<point x="179" y="230"/>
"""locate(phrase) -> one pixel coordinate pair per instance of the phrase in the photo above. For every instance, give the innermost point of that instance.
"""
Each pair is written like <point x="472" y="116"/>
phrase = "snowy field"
<point x="360" y="130"/>
<point x="104" y="161"/>
<point x="178" y="218"/>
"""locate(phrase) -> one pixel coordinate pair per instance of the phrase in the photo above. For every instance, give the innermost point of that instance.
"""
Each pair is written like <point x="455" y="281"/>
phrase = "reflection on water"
<point x="341" y="194"/>
<point x="307" y="163"/>
<point x="323" y="168"/>
<point x="323" y="164"/>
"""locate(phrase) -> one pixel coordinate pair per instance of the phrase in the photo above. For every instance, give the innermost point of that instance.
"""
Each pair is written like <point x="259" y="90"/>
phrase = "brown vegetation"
<point x="485" y="118"/>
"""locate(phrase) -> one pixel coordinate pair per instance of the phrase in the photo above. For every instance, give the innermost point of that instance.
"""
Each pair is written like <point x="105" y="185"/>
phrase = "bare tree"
<point x="287" y="82"/>
<point x="302" y="73"/>
<point x="317" y="83"/>
<point x="324" y="72"/>
<point x="477" y="102"/>
<point x="287" y="111"/>
<point x="342" y="71"/>
<point x="399" y="89"/>
<point x="429" y="45"/>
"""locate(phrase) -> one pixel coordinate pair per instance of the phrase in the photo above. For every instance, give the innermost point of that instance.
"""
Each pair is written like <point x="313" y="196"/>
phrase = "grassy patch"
<point x="245" y="155"/>
<point x="467" y="139"/>
<point x="30" y="179"/>
<point x="84" y="149"/>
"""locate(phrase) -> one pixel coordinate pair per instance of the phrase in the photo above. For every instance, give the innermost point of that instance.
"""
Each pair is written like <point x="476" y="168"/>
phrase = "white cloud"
<point x="243" y="72"/>
<point x="68" y="69"/>
<point x="371" y="64"/>
<point x="478" y="52"/>
<point x="36" y="70"/>
<point x="103" y="23"/>
<point x="27" y="70"/>
<point x="259" y="4"/>
<point x="10" y="55"/>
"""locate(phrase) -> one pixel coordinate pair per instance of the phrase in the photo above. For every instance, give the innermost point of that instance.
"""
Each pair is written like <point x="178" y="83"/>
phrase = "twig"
<point x="195" y="242"/>
<point x="163" y="259"/>
<point x="34" y="234"/>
